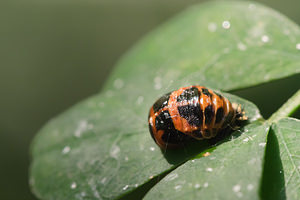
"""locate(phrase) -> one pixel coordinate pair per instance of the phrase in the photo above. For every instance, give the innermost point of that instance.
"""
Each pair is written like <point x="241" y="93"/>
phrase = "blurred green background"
<point x="56" y="53"/>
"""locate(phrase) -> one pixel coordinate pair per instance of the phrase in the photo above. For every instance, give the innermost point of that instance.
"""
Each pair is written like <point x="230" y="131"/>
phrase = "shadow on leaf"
<point x="194" y="149"/>
<point x="272" y="183"/>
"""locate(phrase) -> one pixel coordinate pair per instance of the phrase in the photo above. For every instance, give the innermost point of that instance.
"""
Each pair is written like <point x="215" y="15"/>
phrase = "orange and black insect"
<point x="191" y="112"/>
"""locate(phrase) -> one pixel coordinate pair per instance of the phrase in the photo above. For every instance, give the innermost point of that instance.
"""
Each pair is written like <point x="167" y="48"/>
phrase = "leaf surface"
<point x="85" y="157"/>
<point x="233" y="170"/>
<point x="101" y="148"/>
<point x="287" y="131"/>
<point x="223" y="45"/>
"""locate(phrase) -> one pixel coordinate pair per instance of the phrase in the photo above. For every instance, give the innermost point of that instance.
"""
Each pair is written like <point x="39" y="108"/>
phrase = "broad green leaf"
<point x="231" y="171"/>
<point x="223" y="45"/>
<point x="79" y="155"/>
<point x="287" y="136"/>
<point x="101" y="148"/>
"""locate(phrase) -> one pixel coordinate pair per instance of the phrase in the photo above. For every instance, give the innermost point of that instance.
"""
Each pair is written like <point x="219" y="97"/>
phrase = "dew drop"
<point x="73" y="185"/>
<point x="178" y="187"/>
<point x="140" y="100"/>
<point x="241" y="46"/>
<point x="205" y="184"/>
<point x="267" y="77"/>
<point x="262" y="144"/>
<point x="151" y="177"/>
<point x="246" y="140"/>
<point x="265" y="38"/>
<point x="118" y="83"/>
<point x="103" y="180"/>
<point x="250" y="187"/>
<point x="209" y="169"/>
<point x="96" y="193"/>
<point x="193" y="161"/>
<point x="226" y="50"/>
<point x="157" y="86"/>
<point x="125" y="187"/>
<point x="136" y="185"/>
<point x="66" y="150"/>
<point x="236" y="188"/>
<point x="212" y="27"/>
<point x="82" y="126"/>
<point x="197" y="185"/>
<point x="298" y="46"/>
<point x="226" y="24"/>
<point x="171" y="177"/>
<point x="239" y="194"/>
<point x="157" y="83"/>
<point x="114" y="151"/>
<point x="93" y="187"/>
<point x="157" y="79"/>
<point x="152" y="148"/>
<point x="252" y="6"/>
<point x="83" y="194"/>
<point x="126" y="158"/>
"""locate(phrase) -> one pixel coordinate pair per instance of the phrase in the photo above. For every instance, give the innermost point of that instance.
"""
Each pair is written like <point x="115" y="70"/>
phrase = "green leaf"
<point x="232" y="171"/>
<point x="195" y="48"/>
<point x="101" y="148"/>
<point x="76" y="154"/>
<point x="286" y="135"/>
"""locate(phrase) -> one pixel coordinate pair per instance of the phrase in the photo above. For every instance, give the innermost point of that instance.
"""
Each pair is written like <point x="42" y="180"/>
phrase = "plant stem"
<point x="287" y="109"/>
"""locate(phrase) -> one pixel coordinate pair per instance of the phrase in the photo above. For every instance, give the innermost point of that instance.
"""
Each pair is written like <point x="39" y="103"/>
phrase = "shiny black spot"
<point x="209" y="114"/>
<point x="228" y="119"/>
<point x="207" y="133"/>
<point x="172" y="136"/>
<point x="164" y="121"/>
<point x="214" y="131"/>
<point x="189" y="94"/>
<point x="206" y="92"/>
<point x="219" y="115"/>
<point x="161" y="102"/>
<point x="197" y="134"/>
<point x="192" y="113"/>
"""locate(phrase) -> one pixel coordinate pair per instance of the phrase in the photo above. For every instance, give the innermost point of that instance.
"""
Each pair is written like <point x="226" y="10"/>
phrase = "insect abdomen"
<point x="193" y="111"/>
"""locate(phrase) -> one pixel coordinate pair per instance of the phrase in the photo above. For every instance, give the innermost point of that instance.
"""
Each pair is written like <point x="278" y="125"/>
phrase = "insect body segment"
<point x="191" y="112"/>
